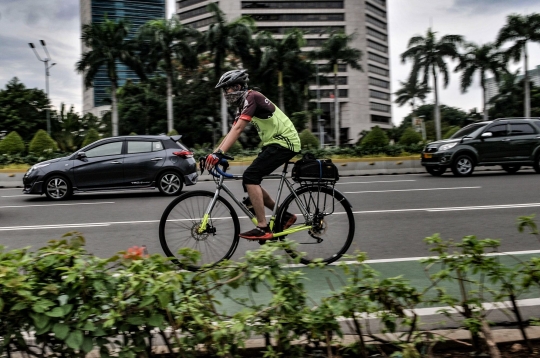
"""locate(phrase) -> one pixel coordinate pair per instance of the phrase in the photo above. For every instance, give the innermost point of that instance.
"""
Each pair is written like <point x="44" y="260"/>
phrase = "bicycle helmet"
<point x="230" y="78"/>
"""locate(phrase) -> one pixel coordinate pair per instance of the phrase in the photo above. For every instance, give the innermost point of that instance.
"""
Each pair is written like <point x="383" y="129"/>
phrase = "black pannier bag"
<point x="315" y="170"/>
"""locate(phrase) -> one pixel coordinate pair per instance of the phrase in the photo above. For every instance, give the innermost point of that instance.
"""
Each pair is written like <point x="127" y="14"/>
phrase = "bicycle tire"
<point x="179" y="223"/>
<point x="339" y="224"/>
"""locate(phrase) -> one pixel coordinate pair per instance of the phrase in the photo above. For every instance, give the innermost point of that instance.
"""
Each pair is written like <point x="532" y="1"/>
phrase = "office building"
<point x="364" y="97"/>
<point x="492" y="87"/>
<point x="137" y="12"/>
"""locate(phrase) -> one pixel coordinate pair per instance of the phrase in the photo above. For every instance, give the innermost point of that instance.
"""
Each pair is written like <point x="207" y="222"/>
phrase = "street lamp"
<point x="320" y="121"/>
<point x="47" y="67"/>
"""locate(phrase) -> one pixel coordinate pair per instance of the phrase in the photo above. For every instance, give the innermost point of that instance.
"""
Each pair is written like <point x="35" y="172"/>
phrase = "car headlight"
<point x="447" y="146"/>
<point x="37" y="166"/>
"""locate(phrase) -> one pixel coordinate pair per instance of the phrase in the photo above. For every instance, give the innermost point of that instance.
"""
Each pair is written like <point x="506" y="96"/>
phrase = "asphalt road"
<point x="393" y="213"/>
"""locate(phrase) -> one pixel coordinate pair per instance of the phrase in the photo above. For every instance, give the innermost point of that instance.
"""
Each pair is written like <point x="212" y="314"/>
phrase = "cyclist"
<point x="279" y="139"/>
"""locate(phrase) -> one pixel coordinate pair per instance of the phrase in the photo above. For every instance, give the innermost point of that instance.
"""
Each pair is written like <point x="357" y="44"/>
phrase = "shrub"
<point x="42" y="143"/>
<point x="91" y="136"/>
<point x="308" y="140"/>
<point x="450" y="132"/>
<point x="375" y="138"/>
<point x="12" y="144"/>
<point x="410" y="137"/>
<point x="235" y="149"/>
<point x="172" y="132"/>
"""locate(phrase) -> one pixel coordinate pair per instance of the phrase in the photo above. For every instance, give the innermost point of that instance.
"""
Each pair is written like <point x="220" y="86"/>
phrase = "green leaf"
<point x="61" y="330"/>
<point x="40" y="320"/>
<point x="99" y="332"/>
<point x="66" y="309"/>
<point x="87" y="345"/>
<point x="156" y="320"/>
<point x="56" y="312"/>
<point x="19" y="306"/>
<point x="137" y="321"/>
<point x="75" y="340"/>
<point x="88" y="326"/>
<point x="1" y="304"/>
<point x="146" y="301"/>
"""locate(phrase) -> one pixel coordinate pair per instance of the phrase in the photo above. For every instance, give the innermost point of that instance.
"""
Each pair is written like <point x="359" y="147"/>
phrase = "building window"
<point x="379" y="107"/>
<point x="375" y="10"/>
<point x="329" y="93"/>
<point x="305" y="29"/>
<point x="379" y="95"/>
<point x="315" y="42"/>
<point x="377" y="58"/>
<point x="379" y="83"/>
<point x="201" y="23"/>
<point x="377" y="34"/>
<point x="341" y="80"/>
<point x="377" y="46"/>
<point x="298" y="17"/>
<point x="376" y="22"/>
<point x="192" y="13"/>
<point x="292" y="5"/>
<point x="380" y="2"/>
<point x="380" y="119"/>
<point x="378" y="70"/>
<point x="186" y="3"/>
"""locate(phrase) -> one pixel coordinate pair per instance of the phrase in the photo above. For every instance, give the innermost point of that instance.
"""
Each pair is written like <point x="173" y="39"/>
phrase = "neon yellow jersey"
<point x="273" y="126"/>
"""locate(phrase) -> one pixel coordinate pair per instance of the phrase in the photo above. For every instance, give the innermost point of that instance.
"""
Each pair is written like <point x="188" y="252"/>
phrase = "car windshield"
<point x="470" y="131"/>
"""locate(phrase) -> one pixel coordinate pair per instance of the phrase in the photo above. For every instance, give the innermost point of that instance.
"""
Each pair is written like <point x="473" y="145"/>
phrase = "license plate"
<point x="427" y="156"/>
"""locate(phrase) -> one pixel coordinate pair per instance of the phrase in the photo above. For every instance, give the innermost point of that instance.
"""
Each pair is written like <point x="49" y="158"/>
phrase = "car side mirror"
<point x="487" y="135"/>
<point x="81" y="155"/>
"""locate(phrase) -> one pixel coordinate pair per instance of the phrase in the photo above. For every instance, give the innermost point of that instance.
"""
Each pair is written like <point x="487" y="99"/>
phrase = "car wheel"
<point x="511" y="169"/>
<point x="170" y="183"/>
<point x="537" y="164"/>
<point x="463" y="166"/>
<point x="436" y="170"/>
<point x="58" y="187"/>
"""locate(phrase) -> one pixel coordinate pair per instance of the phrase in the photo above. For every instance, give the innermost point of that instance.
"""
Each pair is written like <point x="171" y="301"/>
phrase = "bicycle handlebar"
<point x="219" y="171"/>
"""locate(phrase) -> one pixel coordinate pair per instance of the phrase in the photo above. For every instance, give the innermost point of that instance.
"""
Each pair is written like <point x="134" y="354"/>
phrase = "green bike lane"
<point x="324" y="282"/>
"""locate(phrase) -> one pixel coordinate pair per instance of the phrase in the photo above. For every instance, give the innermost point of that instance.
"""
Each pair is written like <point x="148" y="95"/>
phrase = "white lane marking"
<point x="458" y="208"/>
<point x="377" y="181"/>
<point x="40" y="205"/>
<point x="59" y="226"/>
<point x="13" y="196"/>
<point x="423" y="189"/>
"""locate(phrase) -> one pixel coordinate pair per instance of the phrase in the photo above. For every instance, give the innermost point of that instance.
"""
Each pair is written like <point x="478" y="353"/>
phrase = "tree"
<point x="67" y="129"/>
<point x="520" y="29"/>
<point x="410" y="91"/>
<point x="90" y="137"/>
<point x="410" y="137"/>
<point x="428" y="55"/>
<point x="509" y="101"/>
<point x="279" y="55"/>
<point x="12" y="144"/>
<point x="166" y="44"/>
<point x="223" y="38"/>
<point x="481" y="59"/>
<point x="109" y="46"/>
<point x="336" y="51"/>
<point x="308" y="140"/>
<point x="22" y="109"/>
<point x="375" y="138"/>
<point x="450" y="116"/>
<point x="42" y="143"/>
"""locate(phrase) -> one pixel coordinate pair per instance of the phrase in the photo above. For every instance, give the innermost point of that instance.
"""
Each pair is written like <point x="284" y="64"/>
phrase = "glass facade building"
<point x="364" y="96"/>
<point x="136" y="12"/>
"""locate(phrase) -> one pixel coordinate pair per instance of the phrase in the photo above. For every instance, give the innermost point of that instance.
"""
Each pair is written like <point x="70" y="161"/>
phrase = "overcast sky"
<point x="57" y="22"/>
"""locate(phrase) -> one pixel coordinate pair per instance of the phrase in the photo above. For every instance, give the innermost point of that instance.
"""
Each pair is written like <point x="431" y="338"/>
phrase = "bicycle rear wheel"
<point x="333" y="223"/>
<point x="179" y="224"/>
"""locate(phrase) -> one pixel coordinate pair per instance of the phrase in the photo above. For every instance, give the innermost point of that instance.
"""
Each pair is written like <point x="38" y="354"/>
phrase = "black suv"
<point x="130" y="162"/>
<point x="508" y="142"/>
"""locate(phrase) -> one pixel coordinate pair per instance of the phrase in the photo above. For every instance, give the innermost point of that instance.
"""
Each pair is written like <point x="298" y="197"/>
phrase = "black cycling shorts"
<point x="269" y="159"/>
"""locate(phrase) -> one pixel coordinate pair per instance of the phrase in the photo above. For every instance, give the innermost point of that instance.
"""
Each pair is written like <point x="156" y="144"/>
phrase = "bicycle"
<point x="207" y="222"/>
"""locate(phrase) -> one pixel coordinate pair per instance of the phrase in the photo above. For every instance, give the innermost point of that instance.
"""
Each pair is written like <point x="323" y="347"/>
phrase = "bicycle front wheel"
<point x="180" y="223"/>
<point x="330" y="215"/>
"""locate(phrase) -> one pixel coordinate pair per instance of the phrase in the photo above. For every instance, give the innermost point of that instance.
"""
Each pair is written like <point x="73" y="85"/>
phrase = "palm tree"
<point x="410" y="91"/>
<point x="108" y="46"/>
<point x="279" y="55"/>
<point x="335" y="50"/>
<point x="428" y="55"/>
<point x="482" y="59"/>
<point x="520" y="29"/>
<point x="166" y="42"/>
<point x="223" y="38"/>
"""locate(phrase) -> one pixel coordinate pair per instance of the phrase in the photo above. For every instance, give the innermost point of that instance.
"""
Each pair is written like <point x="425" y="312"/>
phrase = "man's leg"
<point x="255" y="193"/>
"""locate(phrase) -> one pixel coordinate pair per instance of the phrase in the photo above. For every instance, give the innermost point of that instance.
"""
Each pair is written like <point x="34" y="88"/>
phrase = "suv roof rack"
<point x="499" y="119"/>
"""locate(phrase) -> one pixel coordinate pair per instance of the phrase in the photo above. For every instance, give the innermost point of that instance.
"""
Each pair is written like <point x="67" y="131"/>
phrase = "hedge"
<point x="74" y="302"/>
<point x="12" y="144"/>
<point x="42" y="144"/>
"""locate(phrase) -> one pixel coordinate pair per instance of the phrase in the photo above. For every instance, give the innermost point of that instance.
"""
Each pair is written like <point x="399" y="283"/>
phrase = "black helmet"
<point x="233" y="77"/>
